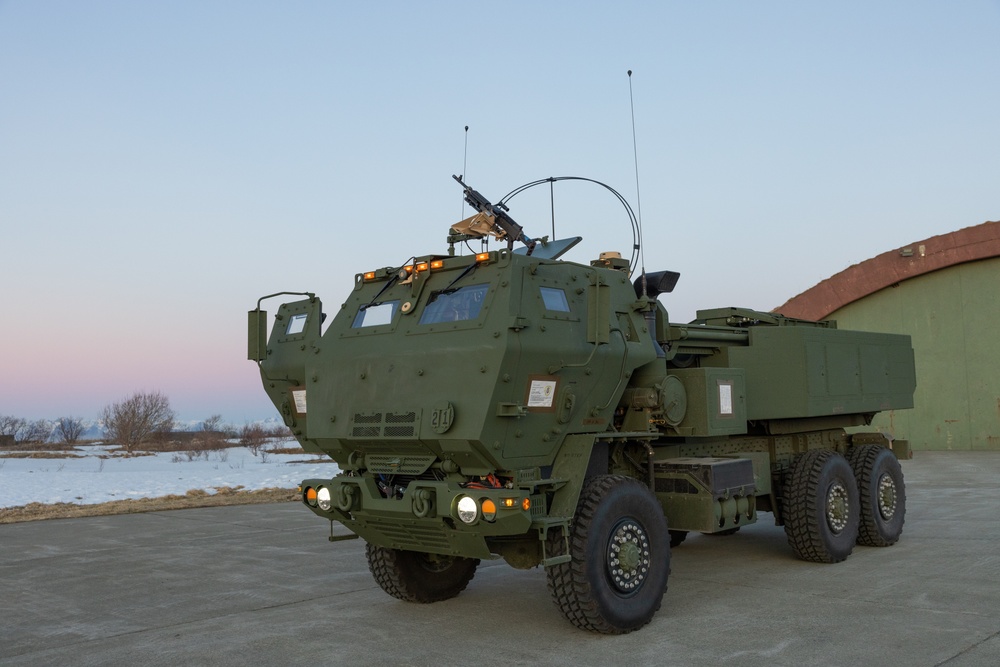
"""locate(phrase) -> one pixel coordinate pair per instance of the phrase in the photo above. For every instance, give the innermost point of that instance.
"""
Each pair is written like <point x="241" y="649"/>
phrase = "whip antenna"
<point x="638" y="200"/>
<point x="465" y="163"/>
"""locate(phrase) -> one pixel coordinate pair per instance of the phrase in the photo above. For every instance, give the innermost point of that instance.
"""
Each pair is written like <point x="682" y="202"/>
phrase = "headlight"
<point x="467" y="509"/>
<point x="323" y="498"/>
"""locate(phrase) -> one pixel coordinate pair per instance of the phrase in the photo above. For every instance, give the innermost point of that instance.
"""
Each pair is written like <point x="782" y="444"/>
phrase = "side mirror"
<point x="257" y="335"/>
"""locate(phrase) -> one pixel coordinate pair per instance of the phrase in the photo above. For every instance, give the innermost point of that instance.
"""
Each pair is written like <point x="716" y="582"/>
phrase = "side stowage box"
<point x="716" y="401"/>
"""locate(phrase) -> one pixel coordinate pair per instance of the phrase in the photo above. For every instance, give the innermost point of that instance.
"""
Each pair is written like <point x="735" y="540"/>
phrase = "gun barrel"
<point x="502" y="219"/>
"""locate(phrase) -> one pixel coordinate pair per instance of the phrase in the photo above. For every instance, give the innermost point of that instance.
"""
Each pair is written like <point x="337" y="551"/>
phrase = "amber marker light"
<point x="310" y="496"/>
<point x="489" y="509"/>
<point x="370" y="275"/>
<point x="508" y="503"/>
<point x="422" y="266"/>
<point x="437" y="264"/>
<point x="526" y="504"/>
<point x="483" y="257"/>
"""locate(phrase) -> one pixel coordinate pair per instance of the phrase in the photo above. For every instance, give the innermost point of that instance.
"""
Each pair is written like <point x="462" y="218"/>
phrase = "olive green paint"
<point x="950" y="315"/>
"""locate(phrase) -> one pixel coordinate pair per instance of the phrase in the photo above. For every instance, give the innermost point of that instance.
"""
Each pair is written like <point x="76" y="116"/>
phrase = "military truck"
<point x="512" y="404"/>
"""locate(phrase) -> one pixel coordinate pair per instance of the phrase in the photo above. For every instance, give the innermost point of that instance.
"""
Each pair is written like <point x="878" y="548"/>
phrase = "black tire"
<point x="620" y="557"/>
<point x="883" y="495"/>
<point x="418" y="577"/>
<point x="821" y="507"/>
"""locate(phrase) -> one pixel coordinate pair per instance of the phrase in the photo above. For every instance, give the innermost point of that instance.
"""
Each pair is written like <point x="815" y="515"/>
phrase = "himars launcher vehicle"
<point x="512" y="404"/>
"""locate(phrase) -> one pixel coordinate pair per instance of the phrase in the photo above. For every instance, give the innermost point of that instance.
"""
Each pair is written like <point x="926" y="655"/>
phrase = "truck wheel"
<point x="883" y="495"/>
<point x="418" y="577"/>
<point x="620" y="557"/>
<point x="821" y="507"/>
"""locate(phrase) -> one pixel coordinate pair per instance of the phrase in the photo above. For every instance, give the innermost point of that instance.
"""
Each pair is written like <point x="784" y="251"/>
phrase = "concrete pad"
<point x="261" y="584"/>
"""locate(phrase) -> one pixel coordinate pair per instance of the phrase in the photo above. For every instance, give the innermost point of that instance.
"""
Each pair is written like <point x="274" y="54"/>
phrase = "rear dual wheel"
<point x="822" y="507"/>
<point x="882" y="493"/>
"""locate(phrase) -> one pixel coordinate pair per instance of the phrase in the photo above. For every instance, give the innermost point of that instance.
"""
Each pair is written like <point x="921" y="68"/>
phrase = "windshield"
<point x="454" y="305"/>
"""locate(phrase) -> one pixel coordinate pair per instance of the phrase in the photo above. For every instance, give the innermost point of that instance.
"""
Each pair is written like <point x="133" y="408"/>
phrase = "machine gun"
<point x="491" y="220"/>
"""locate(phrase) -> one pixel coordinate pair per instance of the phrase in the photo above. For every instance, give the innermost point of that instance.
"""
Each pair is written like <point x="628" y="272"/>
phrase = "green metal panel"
<point x="797" y="372"/>
<point x="716" y="401"/>
<point x="949" y="314"/>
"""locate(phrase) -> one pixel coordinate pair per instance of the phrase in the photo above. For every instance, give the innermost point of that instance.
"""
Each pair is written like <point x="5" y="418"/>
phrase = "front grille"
<point x="398" y="465"/>
<point x="385" y="424"/>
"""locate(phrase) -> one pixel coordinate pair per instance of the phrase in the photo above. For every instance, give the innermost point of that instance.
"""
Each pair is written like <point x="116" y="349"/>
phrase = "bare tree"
<point x="253" y="437"/>
<point x="212" y="424"/>
<point x="10" y="425"/>
<point x="280" y="432"/>
<point x="36" y="431"/>
<point x="135" y="419"/>
<point x="69" y="429"/>
<point x="22" y="430"/>
<point x="212" y="434"/>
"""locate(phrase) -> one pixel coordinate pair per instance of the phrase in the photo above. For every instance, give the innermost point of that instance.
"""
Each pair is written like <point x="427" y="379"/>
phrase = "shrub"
<point x="253" y="437"/>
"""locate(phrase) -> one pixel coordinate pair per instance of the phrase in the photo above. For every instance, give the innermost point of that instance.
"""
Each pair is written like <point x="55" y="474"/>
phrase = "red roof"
<point x="889" y="268"/>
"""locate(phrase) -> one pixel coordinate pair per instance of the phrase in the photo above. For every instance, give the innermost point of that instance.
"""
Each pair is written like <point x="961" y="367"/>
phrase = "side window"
<point x="297" y="324"/>
<point x="375" y="314"/>
<point x="554" y="299"/>
<point x="454" y="305"/>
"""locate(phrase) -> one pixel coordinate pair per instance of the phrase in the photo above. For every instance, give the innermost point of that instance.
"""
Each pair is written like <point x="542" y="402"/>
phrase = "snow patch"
<point x="91" y="479"/>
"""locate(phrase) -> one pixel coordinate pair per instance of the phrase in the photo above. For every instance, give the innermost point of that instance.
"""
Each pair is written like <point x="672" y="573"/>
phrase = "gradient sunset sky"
<point x="164" y="164"/>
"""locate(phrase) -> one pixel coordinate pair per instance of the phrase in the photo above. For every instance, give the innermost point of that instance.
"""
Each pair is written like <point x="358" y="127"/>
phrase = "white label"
<point x="299" y="396"/>
<point x="725" y="398"/>
<point x="542" y="393"/>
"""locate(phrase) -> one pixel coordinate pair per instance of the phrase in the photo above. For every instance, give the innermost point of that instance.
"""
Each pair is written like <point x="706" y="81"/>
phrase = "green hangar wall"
<point x="945" y="293"/>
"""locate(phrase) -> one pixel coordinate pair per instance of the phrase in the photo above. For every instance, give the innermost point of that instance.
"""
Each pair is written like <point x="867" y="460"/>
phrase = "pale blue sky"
<point x="164" y="164"/>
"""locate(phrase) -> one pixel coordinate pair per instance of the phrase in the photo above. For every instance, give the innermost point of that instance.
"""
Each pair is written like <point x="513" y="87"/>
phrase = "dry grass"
<point x="194" y="498"/>
<point x="39" y="455"/>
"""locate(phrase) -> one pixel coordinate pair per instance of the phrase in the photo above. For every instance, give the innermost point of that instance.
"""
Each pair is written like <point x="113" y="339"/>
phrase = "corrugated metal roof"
<point x="892" y="267"/>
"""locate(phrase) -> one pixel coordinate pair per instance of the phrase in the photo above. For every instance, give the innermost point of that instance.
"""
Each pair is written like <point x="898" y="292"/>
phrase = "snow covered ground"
<point x="92" y="479"/>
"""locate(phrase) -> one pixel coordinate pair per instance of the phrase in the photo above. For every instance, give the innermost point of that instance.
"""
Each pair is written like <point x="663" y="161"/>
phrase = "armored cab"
<point x="514" y="404"/>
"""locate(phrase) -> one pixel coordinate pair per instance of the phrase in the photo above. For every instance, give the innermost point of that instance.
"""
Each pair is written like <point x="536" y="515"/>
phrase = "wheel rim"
<point x="838" y="509"/>
<point x="435" y="562"/>
<point x="628" y="556"/>
<point x="886" y="496"/>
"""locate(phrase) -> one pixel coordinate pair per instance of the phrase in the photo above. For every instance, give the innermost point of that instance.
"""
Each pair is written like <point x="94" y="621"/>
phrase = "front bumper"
<point x="426" y="517"/>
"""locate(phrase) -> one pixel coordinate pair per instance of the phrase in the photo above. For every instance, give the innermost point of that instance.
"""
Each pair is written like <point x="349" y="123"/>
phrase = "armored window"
<point x="372" y="315"/>
<point x="297" y="324"/>
<point x="454" y="305"/>
<point x="554" y="299"/>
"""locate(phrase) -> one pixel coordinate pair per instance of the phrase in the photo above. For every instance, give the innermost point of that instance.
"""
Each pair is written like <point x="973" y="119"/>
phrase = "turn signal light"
<point x="489" y="509"/>
<point x="310" y="496"/>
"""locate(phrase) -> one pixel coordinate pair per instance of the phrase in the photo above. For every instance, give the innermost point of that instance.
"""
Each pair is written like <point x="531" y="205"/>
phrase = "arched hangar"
<point x="945" y="293"/>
